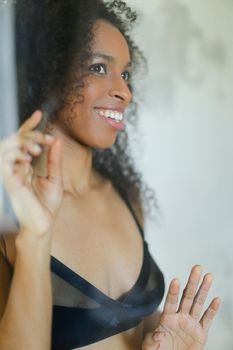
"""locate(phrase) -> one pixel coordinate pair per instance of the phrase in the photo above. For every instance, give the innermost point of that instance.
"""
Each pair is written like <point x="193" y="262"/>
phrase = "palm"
<point x="41" y="200"/>
<point x="184" y="329"/>
<point x="48" y="193"/>
<point x="181" y="332"/>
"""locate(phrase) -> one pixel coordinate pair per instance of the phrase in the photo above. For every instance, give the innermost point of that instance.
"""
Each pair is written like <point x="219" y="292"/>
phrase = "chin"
<point x="103" y="144"/>
<point x="97" y="142"/>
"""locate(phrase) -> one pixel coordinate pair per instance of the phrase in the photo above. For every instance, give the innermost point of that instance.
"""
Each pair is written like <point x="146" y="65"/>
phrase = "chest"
<point x="100" y="241"/>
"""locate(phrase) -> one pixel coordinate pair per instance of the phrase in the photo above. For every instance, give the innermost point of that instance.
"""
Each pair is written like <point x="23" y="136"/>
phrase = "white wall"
<point x="187" y="125"/>
<point x="8" y="105"/>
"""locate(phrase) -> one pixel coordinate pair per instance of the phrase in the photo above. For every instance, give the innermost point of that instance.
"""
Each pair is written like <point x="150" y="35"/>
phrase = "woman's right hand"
<point x="35" y="199"/>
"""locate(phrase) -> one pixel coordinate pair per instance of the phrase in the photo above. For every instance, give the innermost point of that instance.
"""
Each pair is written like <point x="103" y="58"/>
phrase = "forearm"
<point x="26" y="323"/>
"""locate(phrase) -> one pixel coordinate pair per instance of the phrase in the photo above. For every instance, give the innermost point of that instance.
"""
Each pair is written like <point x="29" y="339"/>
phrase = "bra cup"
<point x="83" y="315"/>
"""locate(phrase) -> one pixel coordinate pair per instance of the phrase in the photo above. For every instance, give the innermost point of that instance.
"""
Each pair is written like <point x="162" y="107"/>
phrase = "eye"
<point x="126" y="75"/>
<point x="98" y="68"/>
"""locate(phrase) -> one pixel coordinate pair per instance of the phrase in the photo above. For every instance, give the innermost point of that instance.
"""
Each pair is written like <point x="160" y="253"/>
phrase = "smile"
<point x="107" y="113"/>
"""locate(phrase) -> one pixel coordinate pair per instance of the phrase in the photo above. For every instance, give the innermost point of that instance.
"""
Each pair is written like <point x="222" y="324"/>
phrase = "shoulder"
<point x="134" y="203"/>
<point x="138" y="211"/>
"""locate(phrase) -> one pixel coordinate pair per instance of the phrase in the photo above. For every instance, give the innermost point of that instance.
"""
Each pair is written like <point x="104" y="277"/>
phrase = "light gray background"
<point x="186" y="150"/>
<point x="187" y="145"/>
<point x="8" y="105"/>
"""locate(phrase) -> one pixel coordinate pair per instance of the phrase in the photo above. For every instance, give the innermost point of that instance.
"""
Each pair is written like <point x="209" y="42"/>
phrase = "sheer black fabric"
<point x="83" y="315"/>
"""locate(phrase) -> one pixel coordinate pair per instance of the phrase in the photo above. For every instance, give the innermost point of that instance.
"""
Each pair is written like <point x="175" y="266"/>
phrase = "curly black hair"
<point x="51" y="37"/>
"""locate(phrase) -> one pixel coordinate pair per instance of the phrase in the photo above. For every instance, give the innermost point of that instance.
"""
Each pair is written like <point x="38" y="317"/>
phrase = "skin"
<point x="81" y="220"/>
<point x="106" y="86"/>
<point x="184" y="326"/>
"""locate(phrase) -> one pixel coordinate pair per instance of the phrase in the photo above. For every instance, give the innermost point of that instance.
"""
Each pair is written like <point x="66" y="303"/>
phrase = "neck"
<point x="77" y="173"/>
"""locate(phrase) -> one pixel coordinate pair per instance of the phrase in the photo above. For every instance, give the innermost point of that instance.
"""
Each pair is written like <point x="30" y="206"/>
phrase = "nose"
<point x="119" y="90"/>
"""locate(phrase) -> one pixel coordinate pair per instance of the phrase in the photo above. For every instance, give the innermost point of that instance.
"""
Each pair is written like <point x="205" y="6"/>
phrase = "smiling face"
<point x="96" y="121"/>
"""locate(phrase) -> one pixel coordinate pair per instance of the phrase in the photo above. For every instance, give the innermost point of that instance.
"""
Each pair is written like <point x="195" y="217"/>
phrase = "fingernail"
<point x="37" y="112"/>
<point x="198" y="268"/>
<point x="176" y="281"/>
<point x="49" y="137"/>
<point x="209" y="277"/>
<point x="36" y="148"/>
<point x="28" y="157"/>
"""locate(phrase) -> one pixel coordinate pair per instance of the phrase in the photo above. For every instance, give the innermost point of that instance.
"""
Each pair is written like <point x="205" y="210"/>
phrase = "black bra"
<point x="83" y="315"/>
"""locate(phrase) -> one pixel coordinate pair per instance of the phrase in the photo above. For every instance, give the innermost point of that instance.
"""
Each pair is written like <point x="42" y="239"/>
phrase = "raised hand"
<point x="35" y="199"/>
<point x="183" y="327"/>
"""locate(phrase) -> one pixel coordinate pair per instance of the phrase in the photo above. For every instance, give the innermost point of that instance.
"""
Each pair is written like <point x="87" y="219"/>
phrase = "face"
<point x="100" y="117"/>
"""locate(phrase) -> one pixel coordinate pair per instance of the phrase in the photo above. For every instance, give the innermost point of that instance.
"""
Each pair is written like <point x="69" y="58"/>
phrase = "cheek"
<point x="95" y="89"/>
<point x="75" y="109"/>
<point x="77" y="118"/>
<point x="80" y="121"/>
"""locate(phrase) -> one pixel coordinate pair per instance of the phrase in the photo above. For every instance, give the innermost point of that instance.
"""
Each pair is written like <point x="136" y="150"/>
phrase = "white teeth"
<point x="110" y="114"/>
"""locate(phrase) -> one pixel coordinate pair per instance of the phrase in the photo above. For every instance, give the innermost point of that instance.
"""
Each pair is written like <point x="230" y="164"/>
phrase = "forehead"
<point x="109" y="40"/>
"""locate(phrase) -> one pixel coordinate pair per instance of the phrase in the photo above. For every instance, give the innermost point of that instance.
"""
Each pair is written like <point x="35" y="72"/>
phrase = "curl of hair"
<point x="52" y="35"/>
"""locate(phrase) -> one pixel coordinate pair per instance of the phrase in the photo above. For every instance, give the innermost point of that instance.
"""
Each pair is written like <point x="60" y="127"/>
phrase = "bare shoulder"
<point x="138" y="210"/>
<point x="136" y="204"/>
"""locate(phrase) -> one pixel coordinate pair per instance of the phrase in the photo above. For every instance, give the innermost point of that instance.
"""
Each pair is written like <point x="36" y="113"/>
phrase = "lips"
<point x="111" y="108"/>
<point x="114" y="116"/>
<point x="110" y="113"/>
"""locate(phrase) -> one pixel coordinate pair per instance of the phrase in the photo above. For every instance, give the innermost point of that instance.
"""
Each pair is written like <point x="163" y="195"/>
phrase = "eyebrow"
<point x="107" y="58"/>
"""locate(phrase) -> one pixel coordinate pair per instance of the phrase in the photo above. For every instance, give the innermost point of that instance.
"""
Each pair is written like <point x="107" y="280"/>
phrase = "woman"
<point x="78" y="198"/>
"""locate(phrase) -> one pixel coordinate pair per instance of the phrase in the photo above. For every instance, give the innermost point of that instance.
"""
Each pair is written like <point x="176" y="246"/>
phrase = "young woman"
<point x="78" y="273"/>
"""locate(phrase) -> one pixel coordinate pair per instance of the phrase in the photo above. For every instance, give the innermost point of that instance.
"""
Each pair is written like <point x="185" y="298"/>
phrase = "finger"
<point x="19" y="140"/>
<point x="18" y="151"/>
<point x="201" y="296"/>
<point x="210" y="313"/>
<point x="36" y="145"/>
<point x="9" y="144"/>
<point x="33" y="142"/>
<point x="31" y="122"/>
<point x="159" y="336"/>
<point x="54" y="163"/>
<point x="30" y="142"/>
<point x="15" y="168"/>
<point x="39" y="137"/>
<point x="31" y="147"/>
<point x="18" y="147"/>
<point x="190" y="289"/>
<point x="24" y="169"/>
<point x="171" y="301"/>
<point x="15" y="156"/>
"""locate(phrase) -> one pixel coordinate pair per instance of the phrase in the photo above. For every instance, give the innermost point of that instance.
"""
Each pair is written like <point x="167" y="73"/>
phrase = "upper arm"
<point x="7" y="256"/>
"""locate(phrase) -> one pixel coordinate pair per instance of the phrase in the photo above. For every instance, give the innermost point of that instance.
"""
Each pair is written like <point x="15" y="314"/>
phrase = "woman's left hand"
<point x="185" y="328"/>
